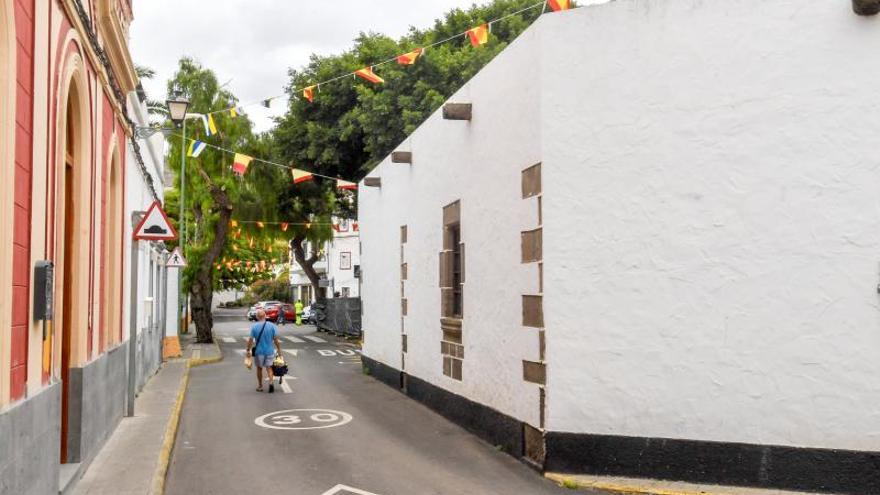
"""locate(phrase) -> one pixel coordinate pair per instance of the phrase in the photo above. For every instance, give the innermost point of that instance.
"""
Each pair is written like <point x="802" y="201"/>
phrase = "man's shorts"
<point x="264" y="360"/>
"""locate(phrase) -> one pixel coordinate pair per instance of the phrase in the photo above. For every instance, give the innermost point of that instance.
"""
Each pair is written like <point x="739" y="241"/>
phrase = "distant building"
<point x="650" y="248"/>
<point x="338" y="265"/>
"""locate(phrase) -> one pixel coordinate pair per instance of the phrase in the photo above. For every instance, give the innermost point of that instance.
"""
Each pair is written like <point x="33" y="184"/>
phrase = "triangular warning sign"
<point x="155" y="226"/>
<point x="176" y="260"/>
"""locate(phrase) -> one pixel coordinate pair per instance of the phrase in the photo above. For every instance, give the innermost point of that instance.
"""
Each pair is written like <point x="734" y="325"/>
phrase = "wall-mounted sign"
<point x="345" y="260"/>
<point x="176" y="260"/>
<point x="155" y="226"/>
<point x="44" y="290"/>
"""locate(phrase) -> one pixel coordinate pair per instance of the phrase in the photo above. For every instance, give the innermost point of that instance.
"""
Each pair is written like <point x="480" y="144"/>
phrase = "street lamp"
<point x="177" y="106"/>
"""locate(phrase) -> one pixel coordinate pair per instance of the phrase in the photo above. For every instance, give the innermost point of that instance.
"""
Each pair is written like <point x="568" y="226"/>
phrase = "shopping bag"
<point x="249" y="362"/>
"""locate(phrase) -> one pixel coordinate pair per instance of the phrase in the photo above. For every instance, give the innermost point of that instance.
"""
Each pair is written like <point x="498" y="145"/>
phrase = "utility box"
<point x="44" y="289"/>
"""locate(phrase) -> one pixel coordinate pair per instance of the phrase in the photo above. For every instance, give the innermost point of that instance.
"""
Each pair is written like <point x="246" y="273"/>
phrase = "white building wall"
<point x="150" y="255"/>
<point x="711" y="240"/>
<point x="480" y="163"/>
<point x="345" y="242"/>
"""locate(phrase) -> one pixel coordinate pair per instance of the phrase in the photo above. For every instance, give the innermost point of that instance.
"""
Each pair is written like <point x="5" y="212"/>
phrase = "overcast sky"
<point x="252" y="43"/>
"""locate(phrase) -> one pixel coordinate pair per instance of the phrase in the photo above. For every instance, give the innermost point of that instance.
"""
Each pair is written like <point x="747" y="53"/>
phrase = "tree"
<point x="351" y="126"/>
<point x="213" y="192"/>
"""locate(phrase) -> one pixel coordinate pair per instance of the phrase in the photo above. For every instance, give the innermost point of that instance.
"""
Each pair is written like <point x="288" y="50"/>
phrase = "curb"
<point x="568" y="482"/>
<point x="158" y="485"/>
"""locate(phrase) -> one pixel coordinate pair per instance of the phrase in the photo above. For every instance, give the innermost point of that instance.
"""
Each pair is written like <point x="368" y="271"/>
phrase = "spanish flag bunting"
<point x="233" y="223"/>
<point x="478" y="35"/>
<point x="260" y="225"/>
<point x="196" y="148"/>
<point x="284" y="226"/>
<point x="409" y="58"/>
<point x="210" y="126"/>
<point x="309" y="93"/>
<point x="344" y="185"/>
<point x="558" y="5"/>
<point x="240" y="165"/>
<point x="355" y="226"/>
<point x="368" y="74"/>
<point x="300" y="175"/>
<point x="238" y="234"/>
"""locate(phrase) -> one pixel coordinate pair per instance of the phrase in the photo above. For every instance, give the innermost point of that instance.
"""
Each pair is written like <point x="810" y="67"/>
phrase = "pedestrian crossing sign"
<point x="155" y="226"/>
<point x="176" y="260"/>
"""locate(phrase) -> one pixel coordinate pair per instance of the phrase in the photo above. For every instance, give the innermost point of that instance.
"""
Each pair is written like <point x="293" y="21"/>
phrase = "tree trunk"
<point x="202" y="288"/>
<point x="308" y="266"/>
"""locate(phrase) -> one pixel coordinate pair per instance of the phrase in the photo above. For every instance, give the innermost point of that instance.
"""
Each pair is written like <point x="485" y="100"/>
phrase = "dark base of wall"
<point x="487" y="423"/>
<point x="30" y="444"/>
<point x="764" y="466"/>
<point x="769" y="466"/>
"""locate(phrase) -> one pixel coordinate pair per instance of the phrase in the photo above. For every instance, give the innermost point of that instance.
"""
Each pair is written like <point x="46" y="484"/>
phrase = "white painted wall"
<point x="711" y="239"/>
<point x="719" y="164"/>
<point x="343" y="242"/>
<point x="150" y="256"/>
<point x="478" y="162"/>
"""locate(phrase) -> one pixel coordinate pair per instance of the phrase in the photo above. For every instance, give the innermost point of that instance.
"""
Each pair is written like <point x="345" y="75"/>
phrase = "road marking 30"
<point x="336" y="352"/>
<point x="315" y="339"/>
<point x="303" y="419"/>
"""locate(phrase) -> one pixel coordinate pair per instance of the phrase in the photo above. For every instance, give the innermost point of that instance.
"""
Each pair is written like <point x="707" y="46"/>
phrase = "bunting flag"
<point x="368" y="74"/>
<point x="267" y="103"/>
<point x="344" y="185"/>
<point x="250" y="242"/>
<point x="260" y="225"/>
<point x="233" y="223"/>
<point x="210" y="126"/>
<point x="240" y="165"/>
<point x="238" y="234"/>
<point x="196" y="148"/>
<point x="409" y="58"/>
<point x="284" y="226"/>
<point x="355" y="226"/>
<point x="337" y="228"/>
<point x="235" y="112"/>
<point x="234" y="247"/>
<point x="558" y="5"/>
<point x="301" y="175"/>
<point x="309" y="93"/>
<point x="478" y="35"/>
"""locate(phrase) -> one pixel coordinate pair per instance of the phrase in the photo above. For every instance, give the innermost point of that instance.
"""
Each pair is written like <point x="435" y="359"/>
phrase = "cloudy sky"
<point x="251" y="43"/>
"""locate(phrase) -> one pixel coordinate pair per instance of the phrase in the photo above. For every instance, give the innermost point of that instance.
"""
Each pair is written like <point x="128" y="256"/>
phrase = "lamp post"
<point x="177" y="106"/>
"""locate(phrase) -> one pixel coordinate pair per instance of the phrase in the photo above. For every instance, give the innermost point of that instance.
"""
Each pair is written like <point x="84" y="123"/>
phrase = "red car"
<point x="272" y="312"/>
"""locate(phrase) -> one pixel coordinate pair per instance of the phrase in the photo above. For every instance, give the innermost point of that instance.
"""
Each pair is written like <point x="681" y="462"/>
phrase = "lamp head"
<point x="177" y="106"/>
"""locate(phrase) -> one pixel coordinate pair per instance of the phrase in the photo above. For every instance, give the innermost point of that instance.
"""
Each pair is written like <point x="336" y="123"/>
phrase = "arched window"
<point x="111" y="324"/>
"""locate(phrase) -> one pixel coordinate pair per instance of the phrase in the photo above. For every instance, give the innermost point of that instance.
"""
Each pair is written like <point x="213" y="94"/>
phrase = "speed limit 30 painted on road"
<point x="303" y="419"/>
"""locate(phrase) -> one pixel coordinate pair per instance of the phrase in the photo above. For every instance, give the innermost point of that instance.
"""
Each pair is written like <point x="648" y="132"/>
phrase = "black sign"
<point x="357" y="271"/>
<point x="44" y="290"/>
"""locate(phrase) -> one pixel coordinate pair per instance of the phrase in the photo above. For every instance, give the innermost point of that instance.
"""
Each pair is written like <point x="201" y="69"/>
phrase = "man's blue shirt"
<point x="266" y="344"/>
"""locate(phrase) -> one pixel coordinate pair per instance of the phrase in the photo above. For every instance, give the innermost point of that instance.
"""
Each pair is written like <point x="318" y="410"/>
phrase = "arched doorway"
<point x="72" y="233"/>
<point x="7" y="193"/>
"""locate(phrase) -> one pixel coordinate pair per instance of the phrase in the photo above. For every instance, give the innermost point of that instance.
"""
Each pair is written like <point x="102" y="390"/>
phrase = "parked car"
<point x="252" y="312"/>
<point x="273" y="310"/>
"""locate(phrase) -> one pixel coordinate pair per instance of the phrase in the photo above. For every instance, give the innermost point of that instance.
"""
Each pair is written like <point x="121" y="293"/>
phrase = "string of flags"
<point x="478" y="35"/>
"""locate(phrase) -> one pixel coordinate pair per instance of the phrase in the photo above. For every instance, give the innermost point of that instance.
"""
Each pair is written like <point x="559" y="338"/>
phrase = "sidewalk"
<point x="639" y="486"/>
<point x="135" y="458"/>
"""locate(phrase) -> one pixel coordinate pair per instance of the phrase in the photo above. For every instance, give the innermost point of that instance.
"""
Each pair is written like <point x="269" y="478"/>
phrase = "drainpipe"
<point x="136" y="217"/>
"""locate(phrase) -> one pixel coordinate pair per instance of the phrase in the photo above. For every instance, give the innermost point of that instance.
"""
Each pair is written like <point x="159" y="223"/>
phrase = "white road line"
<point x="349" y="362"/>
<point x="315" y="339"/>
<point x="229" y="339"/>
<point x="285" y="387"/>
<point x="292" y="352"/>
<point x="345" y="488"/>
<point x="294" y="339"/>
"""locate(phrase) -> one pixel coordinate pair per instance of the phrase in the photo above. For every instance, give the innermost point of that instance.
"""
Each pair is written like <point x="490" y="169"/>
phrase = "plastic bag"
<point x="249" y="362"/>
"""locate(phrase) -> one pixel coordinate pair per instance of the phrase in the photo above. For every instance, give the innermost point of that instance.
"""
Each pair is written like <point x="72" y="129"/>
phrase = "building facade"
<point x="338" y="265"/>
<point x="648" y="247"/>
<point x="65" y="77"/>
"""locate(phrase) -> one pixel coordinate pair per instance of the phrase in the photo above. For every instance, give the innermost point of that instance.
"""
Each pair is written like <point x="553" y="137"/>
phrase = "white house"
<point x="338" y="264"/>
<point x="649" y="246"/>
<point x="156" y="307"/>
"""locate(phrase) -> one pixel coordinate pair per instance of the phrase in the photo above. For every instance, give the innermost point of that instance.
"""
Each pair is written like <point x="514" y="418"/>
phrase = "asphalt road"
<point x="349" y="435"/>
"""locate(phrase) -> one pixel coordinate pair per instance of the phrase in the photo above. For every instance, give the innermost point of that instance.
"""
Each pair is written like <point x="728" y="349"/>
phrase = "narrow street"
<point x="350" y="434"/>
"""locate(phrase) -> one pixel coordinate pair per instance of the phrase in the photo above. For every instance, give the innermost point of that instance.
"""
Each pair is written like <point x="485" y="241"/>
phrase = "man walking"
<point x="262" y="345"/>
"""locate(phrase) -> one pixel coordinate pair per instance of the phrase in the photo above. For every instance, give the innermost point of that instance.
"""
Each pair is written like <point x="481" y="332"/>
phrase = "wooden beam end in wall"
<point x="373" y="181"/>
<point x="866" y="7"/>
<point x="457" y="111"/>
<point x="401" y="157"/>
